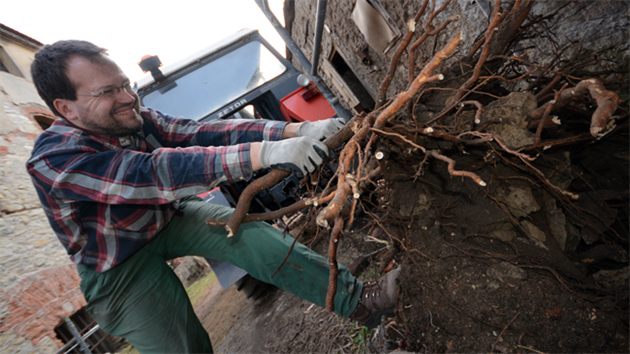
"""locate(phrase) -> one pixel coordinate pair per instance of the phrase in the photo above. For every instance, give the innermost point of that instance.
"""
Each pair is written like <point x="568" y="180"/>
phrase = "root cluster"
<point x="360" y="163"/>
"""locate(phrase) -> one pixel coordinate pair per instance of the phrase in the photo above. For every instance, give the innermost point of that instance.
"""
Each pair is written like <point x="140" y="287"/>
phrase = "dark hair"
<point x="50" y="65"/>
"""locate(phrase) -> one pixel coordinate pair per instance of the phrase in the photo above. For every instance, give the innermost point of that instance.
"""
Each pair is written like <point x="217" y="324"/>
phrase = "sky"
<point x="130" y="29"/>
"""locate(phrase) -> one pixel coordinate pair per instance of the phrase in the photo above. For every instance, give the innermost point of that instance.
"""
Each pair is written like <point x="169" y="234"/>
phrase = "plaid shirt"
<point x="106" y="197"/>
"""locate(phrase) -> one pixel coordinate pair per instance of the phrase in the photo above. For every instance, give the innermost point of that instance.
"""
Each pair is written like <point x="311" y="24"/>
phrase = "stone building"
<point x="39" y="286"/>
<point x="360" y="38"/>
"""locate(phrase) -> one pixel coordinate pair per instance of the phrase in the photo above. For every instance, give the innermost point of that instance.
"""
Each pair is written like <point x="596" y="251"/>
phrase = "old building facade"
<point x="39" y="286"/>
<point x="354" y="61"/>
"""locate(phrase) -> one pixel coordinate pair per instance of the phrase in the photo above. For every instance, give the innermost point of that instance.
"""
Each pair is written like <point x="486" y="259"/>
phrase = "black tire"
<point x="252" y="287"/>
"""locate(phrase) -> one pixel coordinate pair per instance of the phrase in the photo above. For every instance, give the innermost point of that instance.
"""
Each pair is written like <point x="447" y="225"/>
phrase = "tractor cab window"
<point x="216" y="83"/>
<point x="245" y="113"/>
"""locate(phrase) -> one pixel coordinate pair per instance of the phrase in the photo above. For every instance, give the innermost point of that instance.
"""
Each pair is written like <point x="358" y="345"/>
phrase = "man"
<point x="118" y="184"/>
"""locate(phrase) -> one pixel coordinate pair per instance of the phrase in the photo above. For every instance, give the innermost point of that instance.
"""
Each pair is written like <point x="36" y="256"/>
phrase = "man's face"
<point x="115" y="114"/>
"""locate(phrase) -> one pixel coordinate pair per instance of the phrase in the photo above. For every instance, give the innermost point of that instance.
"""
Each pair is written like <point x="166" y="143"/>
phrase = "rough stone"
<point x="584" y="28"/>
<point x="598" y="219"/>
<point x="26" y="226"/>
<point x="414" y="209"/>
<point x="502" y="230"/>
<point x="30" y="250"/>
<point x="412" y="200"/>
<point x="29" y="245"/>
<point x="493" y="285"/>
<point x="556" y="221"/>
<point x="511" y="112"/>
<point x="519" y="201"/>
<point x="560" y="173"/>
<point x="47" y="345"/>
<point x="613" y="279"/>
<point x="536" y="235"/>
<point x="573" y="238"/>
<point x="505" y="271"/>
<point x="67" y="307"/>
<point x="11" y="343"/>
<point x="505" y="235"/>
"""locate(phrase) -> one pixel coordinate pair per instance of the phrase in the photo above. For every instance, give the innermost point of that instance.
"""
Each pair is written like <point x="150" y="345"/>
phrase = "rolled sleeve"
<point x="235" y="163"/>
<point x="273" y="130"/>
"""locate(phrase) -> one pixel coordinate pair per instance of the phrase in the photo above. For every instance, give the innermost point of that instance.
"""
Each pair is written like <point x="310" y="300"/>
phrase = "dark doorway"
<point x="365" y="100"/>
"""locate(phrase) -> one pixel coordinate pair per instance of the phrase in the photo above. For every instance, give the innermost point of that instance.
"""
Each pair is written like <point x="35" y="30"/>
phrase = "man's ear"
<point x="66" y="108"/>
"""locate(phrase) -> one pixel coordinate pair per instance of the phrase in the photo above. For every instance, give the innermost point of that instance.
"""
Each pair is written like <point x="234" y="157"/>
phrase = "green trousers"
<point x="143" y="300"/>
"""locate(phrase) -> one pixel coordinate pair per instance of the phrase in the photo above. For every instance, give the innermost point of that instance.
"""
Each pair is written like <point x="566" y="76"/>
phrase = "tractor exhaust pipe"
<point x="319" y="28"/>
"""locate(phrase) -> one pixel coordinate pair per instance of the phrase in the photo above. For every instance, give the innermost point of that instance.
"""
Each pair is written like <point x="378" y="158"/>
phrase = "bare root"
<point x="601" y="122"/>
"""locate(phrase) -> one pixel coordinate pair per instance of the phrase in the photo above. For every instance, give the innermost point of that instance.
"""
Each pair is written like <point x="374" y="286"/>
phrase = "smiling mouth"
<point x="124" y="112"/>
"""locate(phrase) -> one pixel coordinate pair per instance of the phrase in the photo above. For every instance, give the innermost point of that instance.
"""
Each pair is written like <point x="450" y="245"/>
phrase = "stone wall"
<point x="39" y="285"/>
<point x="580" y="29"/>
<point x="28" y="243"/>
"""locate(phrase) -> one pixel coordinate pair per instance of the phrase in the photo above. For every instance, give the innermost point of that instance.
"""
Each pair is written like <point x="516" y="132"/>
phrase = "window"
<point x="98" y="341"/>
<point x="7" y="64"/>
<point x="3" y="67"/>
<point x="211" y="85"/>
<point x="44" y="121"/>
<point x="339" y="64"/>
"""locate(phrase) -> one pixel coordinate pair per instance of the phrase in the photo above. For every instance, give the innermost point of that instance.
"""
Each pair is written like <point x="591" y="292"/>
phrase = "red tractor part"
<point x="306" y="104"/>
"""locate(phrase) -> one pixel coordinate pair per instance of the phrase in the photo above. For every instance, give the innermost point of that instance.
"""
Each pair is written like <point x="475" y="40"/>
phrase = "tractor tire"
<point x="252" y="287"/>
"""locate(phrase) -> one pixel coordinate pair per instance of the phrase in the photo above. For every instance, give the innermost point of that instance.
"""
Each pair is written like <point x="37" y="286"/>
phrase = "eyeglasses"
<point x="109" y="93"/>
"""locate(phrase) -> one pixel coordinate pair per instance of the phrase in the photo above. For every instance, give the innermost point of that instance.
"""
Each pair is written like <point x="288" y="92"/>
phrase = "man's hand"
<point x="320" y="129"/>
<point x="300" y="155"/>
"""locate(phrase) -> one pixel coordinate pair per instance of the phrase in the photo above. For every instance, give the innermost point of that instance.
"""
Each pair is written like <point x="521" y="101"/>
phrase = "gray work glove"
<point x="320" y="129"/>
<point x="300" y="155"/>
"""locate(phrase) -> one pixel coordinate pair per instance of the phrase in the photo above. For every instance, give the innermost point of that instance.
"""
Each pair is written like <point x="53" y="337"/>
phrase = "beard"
<point x="110" y="125"/>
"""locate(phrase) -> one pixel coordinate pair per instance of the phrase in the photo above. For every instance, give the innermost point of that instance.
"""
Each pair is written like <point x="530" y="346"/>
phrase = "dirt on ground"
<point x="277" y="322"/>
<point x="483" y="269"/>
<point x="461" y="290"/>
<point x="448" y="302"/>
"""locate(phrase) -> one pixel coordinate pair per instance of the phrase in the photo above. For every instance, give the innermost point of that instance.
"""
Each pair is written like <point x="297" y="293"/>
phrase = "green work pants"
<point x="143" y="300"/>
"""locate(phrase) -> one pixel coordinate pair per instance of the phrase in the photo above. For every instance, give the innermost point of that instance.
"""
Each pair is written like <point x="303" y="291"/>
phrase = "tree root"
<point x="297" y="206"/>
<point x="275" y="176"/>
<point x="545" y="115"/>
<point x="453" y="172"/>
<point x="602" y="121"/>
<point x="435" y="154"/>
<point x="427" y="33"/>
<point x="359" y="165"/>
<point x="334" y="267"/>
<point x="382" y="92"/>
<point x="326" y="216"/>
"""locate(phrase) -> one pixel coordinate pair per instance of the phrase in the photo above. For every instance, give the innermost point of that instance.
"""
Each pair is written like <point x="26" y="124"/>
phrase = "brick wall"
<point x="33" y="307"/>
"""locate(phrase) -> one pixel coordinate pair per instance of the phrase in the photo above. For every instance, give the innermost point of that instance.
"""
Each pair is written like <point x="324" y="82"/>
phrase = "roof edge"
<point x="19" y="37"/>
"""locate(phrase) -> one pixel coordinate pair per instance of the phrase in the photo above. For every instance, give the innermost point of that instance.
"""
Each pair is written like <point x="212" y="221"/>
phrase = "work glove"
<point x="300" y="155"/>
<point x="321" y="129"/>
